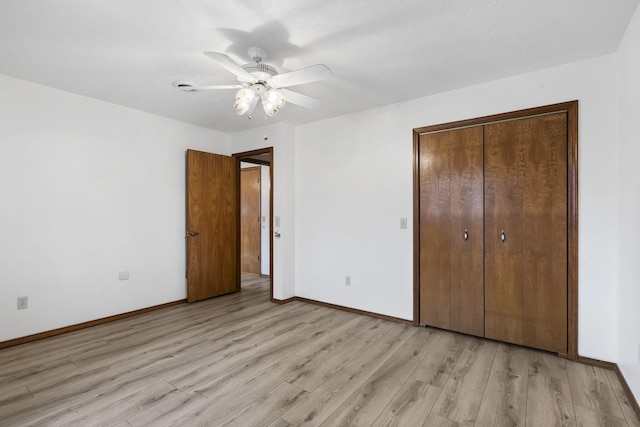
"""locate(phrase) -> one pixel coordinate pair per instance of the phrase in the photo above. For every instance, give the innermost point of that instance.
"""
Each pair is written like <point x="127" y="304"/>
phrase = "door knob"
<point x="192" y="233"/>
<point x="503" y="237"/>
<point x="466" y="234"/>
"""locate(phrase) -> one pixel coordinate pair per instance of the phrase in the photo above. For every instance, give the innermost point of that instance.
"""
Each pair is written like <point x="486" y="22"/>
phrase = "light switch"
<point x="403" y="222"/>
<point x="276" y="221"/>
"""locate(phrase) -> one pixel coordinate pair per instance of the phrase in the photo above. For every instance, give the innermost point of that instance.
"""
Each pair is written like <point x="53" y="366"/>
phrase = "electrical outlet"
<point x="347" y="280"/>
<point x="123" y="275"/>
<point x="23" y="303"/>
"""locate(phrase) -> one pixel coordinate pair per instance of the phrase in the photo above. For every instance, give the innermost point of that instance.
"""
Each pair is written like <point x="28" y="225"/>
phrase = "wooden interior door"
<point x="504" y="167"/>
<point x="466" y="223"/>
<point x="545" y="233"/>
<point x="451" y="230"/>
<point x="435" y="272"/>
<point x="213" y="238"/>
<point x="526" y="199"/>
<point x="250" y="220"/>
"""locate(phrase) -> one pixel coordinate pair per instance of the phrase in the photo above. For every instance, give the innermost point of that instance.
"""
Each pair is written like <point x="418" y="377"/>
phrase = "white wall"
<point x="89" y="189"/>
<point x="628" y="220"/>
<point x="353" y="183"/>
<point x="281" y="138"/>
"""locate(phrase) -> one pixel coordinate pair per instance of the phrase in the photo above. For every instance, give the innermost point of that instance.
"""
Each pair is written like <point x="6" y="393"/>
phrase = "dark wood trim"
<point x="512" y="115"/>
<point x="255" y="152"/>
<point x="572" y="229"/>
<point x="271" y="186"/>
<point x="571" y="107"/>
<point x="283" y="301"/>
<point x="238" y="225"/>
<point x="627" y="390"/>
<point x="416" y="228"/>
<point x="84" y="325"/>
<point x="355" y="311"/>
<point x="270" y="151"/>
<point x="597" y="363"/>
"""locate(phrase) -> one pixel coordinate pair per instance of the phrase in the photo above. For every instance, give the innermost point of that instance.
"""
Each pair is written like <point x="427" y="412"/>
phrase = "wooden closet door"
<point x="466" y="213"/>
<point x="435" y="277"/>
<point x="504" y="156"/>
<point x="545" y="232"/>
<point x="451" y="184"/>
<point x="526" y="197"/>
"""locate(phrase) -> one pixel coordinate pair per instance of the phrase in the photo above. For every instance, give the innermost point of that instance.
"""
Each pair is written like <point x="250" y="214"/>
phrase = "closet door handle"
<point x="503" y="236"/>
<point x="466" y="234"/>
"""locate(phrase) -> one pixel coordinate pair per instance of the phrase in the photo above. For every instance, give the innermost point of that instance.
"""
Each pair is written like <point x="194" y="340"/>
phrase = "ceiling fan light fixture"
<point x="243" y="100"/>
<point x="275" y="97"/>
<point x="241" y="107"/>
<point x="270" y="109"/>
<point x="245" y="94"/>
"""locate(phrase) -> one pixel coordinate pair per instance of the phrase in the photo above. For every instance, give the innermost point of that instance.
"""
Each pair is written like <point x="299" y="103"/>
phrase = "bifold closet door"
<point x="526" y="231"/>
<point x="451" y="230"/>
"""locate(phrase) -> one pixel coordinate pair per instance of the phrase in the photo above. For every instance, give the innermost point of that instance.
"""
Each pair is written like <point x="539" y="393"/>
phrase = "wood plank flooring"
<point x="242" y="360"/>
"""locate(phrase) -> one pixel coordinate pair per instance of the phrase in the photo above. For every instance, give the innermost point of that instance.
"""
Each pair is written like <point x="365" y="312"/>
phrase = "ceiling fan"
<point x="260" y="81"/>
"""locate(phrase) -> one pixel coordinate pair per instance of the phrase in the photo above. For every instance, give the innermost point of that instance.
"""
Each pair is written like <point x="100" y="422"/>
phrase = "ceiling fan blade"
<point x="220" y="87"/>
<point x="192" y="87"/>
<point x="300" y="99"/>
<point x="310" y="74"/>
<point x="230" y="65"/>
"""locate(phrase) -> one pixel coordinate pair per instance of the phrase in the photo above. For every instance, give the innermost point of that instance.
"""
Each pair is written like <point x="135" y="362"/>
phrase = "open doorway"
<point x="261" y="161"/>
<point x="251" y="218"/>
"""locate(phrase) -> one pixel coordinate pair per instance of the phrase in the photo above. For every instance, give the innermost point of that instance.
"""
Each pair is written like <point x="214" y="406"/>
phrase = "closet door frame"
<point x="571" y="108"/>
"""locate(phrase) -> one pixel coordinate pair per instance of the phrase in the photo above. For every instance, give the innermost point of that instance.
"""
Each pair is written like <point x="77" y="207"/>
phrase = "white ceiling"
<point x="130" y="51"/>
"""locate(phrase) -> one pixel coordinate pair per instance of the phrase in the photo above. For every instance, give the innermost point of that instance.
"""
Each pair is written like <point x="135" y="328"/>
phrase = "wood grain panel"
<point x="628" y="404"/>
<point x="466" y="213"/>
<point x="549" y="400"/>
<point x="505" y="398"/>
<point x="365" y="405"/>
<point x="462" y="395"/>
<point x="435" y="178"/>
<point x="213" y="264"/>
<point x="237" y="360"/>
<point x="437" y="368"/>
<point x="333" y="392"/>
<point x="504" y="163"/>
<point x="545" y="232"/>
<point x="590" y="388"/>
<point x="435" y="420"/>
<point x="410" y="406"/>
<point x="250" y="220"/>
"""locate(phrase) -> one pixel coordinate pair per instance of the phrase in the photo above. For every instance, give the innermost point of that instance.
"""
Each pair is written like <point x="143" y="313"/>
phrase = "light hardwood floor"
<point x="242" y="360"/>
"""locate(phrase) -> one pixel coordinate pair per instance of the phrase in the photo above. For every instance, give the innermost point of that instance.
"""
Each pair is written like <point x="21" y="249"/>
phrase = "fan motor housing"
<point x="260" y="71"/>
